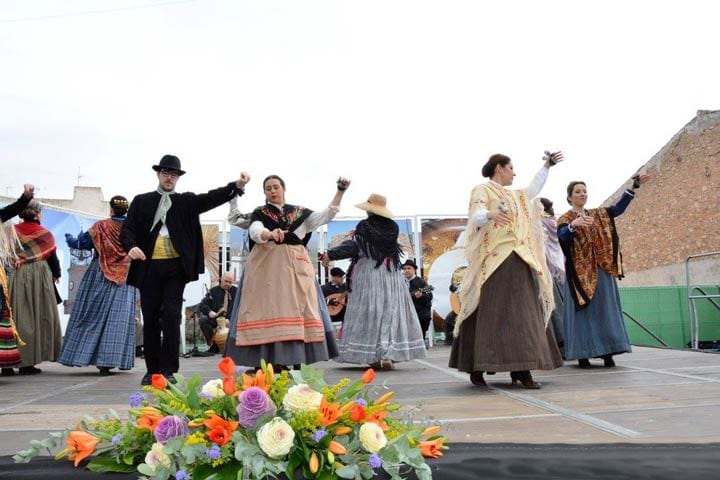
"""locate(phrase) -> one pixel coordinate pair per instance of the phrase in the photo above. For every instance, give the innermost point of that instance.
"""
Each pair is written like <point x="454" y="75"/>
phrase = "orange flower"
<point x="429" y="431"/>
<point x="80" y="445"/>
<point x="431" y="448"/>
<point x="219" y="435"/>
<point x="378" y="418"/>
<point x="149" y="421"/>
<point x="342" y="431"/>
<point x="229" y="385"/>
<point x="257" y="381"/>
<point x="227" y="367"/>
<point x="368" y="376"/>
<point x="384" y="399"/>
<point x="329" y="411"/>
<point x="314" y="463"/>
<point x="159" y="381"/>
<point x="337" y="448"/>
<point x="215" y="421"/>
<point x="357" y="413"/>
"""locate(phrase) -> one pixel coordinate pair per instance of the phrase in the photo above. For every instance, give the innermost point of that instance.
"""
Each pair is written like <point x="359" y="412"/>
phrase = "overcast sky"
<point x="406" y="98"/>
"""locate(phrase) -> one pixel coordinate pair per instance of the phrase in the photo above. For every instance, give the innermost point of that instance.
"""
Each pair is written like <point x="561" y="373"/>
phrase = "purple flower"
<point x="213" y="453"/>
<point x="181" y="475"/>
<point x="116" y="439"/>
<point x="319" y="435"/>
<point x="170" y="427"/>
<point x="252" y="404"/>
<point x="240" y="369"/>
<point x="136" y="399"/>
<point x="375" y="461"/>
<point x="206" y="396"/>
<point x="361" y="402"/>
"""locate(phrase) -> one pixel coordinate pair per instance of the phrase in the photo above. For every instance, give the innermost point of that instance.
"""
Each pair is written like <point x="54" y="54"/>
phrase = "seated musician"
<point x="335" y="293"/>
<point x="217" y="303"/>
<point x="421" y="294"/>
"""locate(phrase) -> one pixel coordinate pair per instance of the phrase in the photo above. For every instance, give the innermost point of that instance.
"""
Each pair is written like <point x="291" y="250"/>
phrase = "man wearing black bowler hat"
<point x="421" y="294"/>
<point x="163" y="237"/>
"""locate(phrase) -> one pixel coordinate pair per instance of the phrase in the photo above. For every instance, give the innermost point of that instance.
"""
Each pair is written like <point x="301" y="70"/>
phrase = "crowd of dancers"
<point x="536" y="290"/>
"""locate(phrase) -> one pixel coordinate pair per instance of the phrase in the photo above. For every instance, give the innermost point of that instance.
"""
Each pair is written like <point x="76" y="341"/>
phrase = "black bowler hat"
<point x="169" y="162"/>
<point x="337" y="272"/>
<point x="409" y="263"/>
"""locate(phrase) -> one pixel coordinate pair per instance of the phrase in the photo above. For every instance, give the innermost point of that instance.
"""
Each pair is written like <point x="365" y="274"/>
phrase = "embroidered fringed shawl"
<point x="595" y="246"/>
<point x="488" y="247"/>
<point x="289" y="218"/>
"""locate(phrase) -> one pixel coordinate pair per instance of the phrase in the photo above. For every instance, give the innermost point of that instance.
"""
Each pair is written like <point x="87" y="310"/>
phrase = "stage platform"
<point x="653" y="398"/>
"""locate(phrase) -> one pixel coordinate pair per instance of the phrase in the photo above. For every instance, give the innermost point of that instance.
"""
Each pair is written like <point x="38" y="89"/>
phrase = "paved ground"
<point x="653" y="396"/>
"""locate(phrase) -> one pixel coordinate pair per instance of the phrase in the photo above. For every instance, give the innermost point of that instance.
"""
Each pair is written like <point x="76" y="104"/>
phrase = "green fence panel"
<point x="666" y="313"/>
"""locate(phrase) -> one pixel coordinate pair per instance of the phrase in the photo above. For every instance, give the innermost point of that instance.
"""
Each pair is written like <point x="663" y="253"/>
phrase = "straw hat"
<point x="376" y="204"/>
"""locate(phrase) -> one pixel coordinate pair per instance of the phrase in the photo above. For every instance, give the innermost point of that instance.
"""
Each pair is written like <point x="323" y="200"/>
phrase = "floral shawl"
<point x="113" y="260"/>
<point x="595" y="246"/>
<point x="489" y="246"/>
<point x="36" y="243"/>
<point x="289" y="218"/>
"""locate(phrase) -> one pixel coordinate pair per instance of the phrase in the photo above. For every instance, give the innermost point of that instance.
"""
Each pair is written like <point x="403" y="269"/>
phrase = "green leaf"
<point x="227" y="471"/>
<point x="348" y="471"/>
<point x="105" y="463"/>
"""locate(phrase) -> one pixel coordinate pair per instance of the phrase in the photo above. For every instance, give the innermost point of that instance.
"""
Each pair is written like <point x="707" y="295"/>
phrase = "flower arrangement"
<point x="253" y="426"/>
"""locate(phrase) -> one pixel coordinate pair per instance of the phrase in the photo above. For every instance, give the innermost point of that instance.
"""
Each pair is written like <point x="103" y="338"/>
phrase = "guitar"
<point x="336" y="302"/>
<point x="423" y="290"/>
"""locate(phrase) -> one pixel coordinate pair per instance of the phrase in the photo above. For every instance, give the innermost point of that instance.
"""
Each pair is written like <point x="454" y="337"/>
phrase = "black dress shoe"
<point x="584" y="363"/>
<point x="170" y="377"/>
<point x="105" y="371"/>
<point x="28" y="370"/>
<point x="609" y="362"/>
<point x="7" y="372"/>
<point x="476" y="378"/>
<point x="214" y="348"/>
<point x="147" y="379"/>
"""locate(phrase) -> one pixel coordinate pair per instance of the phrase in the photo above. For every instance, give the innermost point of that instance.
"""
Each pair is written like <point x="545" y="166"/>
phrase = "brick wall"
<point x="676" y="213"/>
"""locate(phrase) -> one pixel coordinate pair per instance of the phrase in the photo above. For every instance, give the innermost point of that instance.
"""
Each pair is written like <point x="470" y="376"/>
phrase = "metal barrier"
<point x="639" y="324"/>
<point x="694" y="325"/>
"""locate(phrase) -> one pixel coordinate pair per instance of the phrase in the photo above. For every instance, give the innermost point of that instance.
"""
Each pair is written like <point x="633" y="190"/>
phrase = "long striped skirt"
<point x="279" y="288"/>
<point x="101" y="329"/>
<point x="9" y="354"/>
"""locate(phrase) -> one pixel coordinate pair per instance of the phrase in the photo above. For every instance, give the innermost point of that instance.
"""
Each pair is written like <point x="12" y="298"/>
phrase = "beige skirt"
<point x="279" y="301"/>
<point x="507" y="331"/>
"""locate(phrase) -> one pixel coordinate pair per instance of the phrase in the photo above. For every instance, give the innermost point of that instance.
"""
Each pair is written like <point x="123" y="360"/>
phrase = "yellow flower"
<point x="372" y="438"/>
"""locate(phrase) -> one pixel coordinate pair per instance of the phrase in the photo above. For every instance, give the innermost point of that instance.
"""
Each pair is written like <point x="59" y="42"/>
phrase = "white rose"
<point x="156" y="456"/>
<point x="276" y="438"/>
<point x="214" y="388"/>
<point x="302" y="398"/>
<point x="372" y="438"/>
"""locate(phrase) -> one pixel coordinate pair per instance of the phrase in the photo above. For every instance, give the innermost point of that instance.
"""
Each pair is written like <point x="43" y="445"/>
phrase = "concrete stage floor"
<point x="652" y="396"/>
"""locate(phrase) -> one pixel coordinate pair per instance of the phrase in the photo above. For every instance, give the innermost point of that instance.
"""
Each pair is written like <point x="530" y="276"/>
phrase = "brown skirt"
<point x="507" y="331"/>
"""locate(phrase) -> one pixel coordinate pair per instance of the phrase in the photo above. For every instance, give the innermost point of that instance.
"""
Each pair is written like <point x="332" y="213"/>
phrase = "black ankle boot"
<point x="584" y="363"/>
<point x="609" y="362"/>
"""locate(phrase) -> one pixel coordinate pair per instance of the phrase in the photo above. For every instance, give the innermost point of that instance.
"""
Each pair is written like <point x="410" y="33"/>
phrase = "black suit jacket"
<point x="213" y="301"/>
<point x="183" y="223"/>
<point x="424" y="303"/>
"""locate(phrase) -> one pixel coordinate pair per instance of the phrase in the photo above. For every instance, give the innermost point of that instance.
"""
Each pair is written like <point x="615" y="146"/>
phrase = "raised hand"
<point x="243" y="180"/>
<point x="553" y="158"/>
<point x="343" y="184"/>
<point x="28" y="190"/>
